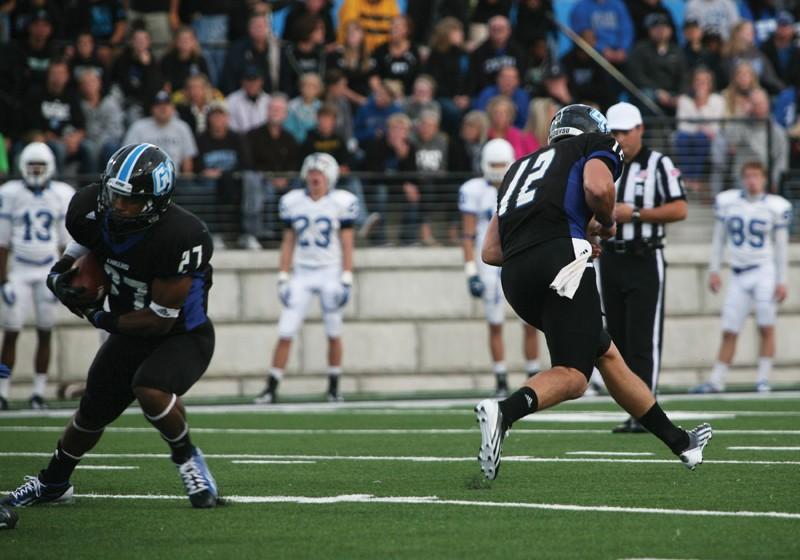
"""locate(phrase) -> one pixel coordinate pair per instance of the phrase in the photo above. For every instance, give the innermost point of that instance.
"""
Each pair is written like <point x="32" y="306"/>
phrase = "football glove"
<point x="283" y="288"/>
<point x="100" y="318"/>
<point x="474" y="282"/>
<point x="59" y="284"/>
<point x="7" y="291"/>
<point x="347" y="286"/>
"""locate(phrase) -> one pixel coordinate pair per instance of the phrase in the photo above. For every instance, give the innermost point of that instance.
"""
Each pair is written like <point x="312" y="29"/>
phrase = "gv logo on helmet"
<point x="163" y="177"/>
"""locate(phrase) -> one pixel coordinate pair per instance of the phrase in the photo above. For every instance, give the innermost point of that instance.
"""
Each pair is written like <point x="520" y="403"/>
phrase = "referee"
<point x="632" y="269"/>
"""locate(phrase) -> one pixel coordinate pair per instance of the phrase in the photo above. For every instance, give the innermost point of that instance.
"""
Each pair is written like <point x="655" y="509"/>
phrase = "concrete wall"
<point x="412" y="326"/>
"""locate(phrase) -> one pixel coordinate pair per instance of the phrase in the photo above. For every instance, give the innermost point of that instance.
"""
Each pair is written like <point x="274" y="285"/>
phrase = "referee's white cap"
<point x="623" y="116"/>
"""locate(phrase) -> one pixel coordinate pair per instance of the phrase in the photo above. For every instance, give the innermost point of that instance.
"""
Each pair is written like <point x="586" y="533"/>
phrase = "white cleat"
<point x="490" y="420"/>
<point x="698" y="439"/>
<point x="266" y="397"/>
<point x="763" y="387"/>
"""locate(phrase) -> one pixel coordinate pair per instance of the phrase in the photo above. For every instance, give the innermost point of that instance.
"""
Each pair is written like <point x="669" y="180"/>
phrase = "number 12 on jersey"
<point x="526" y="192"/>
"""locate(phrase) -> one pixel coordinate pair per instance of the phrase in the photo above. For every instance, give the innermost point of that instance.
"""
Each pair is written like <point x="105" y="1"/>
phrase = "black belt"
<point x="739" y="270"/>
<point x="633" y="246"/>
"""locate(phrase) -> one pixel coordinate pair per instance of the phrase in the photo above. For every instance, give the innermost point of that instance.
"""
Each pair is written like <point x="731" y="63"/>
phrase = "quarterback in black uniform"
<point x="156" y="256"/>
<point x="549" y="203"/>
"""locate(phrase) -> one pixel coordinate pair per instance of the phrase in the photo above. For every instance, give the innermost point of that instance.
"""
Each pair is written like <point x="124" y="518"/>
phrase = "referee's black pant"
<point x="632" y="292"/>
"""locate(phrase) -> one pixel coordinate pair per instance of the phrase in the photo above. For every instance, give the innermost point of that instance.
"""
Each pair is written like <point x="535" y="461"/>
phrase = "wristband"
<point x="470" y="269"/>
<point x="347" y="278"/>
<point x="283" y="276"/>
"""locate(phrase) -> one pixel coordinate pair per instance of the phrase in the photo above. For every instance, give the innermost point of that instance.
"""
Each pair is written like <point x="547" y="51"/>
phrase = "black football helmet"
<point x="574" y="120"/>
<point x="142" y="172"/>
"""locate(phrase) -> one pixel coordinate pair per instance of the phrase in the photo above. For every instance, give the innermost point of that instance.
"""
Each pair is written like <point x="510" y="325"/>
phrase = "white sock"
<point x="277" y="373"/>
<point x="764" y="369"/>
<point x="499" y="368"/>
<point x="532" y="366"/>
<point x="39" y="383"/>
<point x="718" y="375"/>
<point x="335" y="370"/>
<point x="4" y="385"/>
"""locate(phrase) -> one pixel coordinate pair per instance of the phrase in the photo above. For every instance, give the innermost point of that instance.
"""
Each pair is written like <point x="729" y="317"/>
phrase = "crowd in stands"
<point x="407" y="90"/>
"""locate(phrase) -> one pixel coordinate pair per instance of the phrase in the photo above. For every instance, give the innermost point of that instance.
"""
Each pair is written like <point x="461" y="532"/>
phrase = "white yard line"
<point x="267" y="462"/>
<point x="402" y="458"/>
<point x="434" y="500"/>
<point x="611" y="453"/>
<point x="763" y="448"/>
<point x="107" y="467"/>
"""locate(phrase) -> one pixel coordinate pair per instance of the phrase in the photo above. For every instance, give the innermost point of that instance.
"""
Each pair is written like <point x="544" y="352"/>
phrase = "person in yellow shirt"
<point x="375" y="17"/>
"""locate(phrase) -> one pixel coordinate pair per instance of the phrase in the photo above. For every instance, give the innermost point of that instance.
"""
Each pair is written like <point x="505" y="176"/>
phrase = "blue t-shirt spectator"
<point x="520" y="98"/>
<point x="371" y="117"/>
<point x="609" y="19"/>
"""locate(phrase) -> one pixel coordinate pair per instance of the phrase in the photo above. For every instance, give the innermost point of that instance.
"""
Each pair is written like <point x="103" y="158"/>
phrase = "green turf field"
<point x="403" y="483"/>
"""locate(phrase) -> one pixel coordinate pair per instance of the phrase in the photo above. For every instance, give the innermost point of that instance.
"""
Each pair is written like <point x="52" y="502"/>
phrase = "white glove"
<point x="283" y="288"/>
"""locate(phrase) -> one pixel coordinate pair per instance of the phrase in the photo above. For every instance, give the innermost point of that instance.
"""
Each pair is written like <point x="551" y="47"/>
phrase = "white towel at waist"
<point x="568" y="278"/>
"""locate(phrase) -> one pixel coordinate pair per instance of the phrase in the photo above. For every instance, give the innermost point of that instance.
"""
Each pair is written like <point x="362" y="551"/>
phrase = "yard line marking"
<point x="403" y="458"/>
<point x="107" y="467"/>
<point x="434" y="500"/>
<point x="763" y="448"/>
<point x="268" y="462"/>
<point x="611" y="453"/>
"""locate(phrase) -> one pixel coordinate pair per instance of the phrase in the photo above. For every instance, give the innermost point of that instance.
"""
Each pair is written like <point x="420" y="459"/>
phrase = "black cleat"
<point x="37" y="402"/>
<point x="8" y="518"/>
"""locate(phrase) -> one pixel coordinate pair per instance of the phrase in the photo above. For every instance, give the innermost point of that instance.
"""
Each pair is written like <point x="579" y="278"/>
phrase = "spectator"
<point x="57" y="113"/>
<point x="501" y="111"/>
<point x="164" y="129"/>
<point x="258" y="49"/>
<point x="273" y="150"/>
<point x="719" y="15"/>
<point x="693" y="140"/>
<point x="693" y="48"/>
<point x="305" y="57"/>
<point x="422" y="98"/>
<point x="638" y="10"/>
<point x="247" y="106"/>
<point x="431" y="157"/>
<point x="497" y="51"/>
<point x="507" y="85"/>
<point x="448" y="64"/>
<point x="104" y="117"/>
<point x="183" y="59"/>
<point x="712" y="57"/>
<point x="29" y="58"/>
<point x="737" y="94"/>
<point x="195" y="102"/>
<point x="612" y="26"/>
<point x="136" y="74"/>
<point x="374" y="16"/>
<point x="765" y="140"/>
<point x="303" y="109"/>
<point x="211" y="23"/>
<point x="425" y="14"/>
<point x="534" y="21"/>
<point x="781" y="50"/>
<point x="586" y="79"/>
<point x="397" y="59"/>
<point x="657" y="64"/>
<point x="325" y="139"/>
<point x="465" y="150"/>
<point x="352" y="60"/>
<point x="543" y="110"/>
<point x="482" y="14"/>
<point x="105" y="21"/>
<point x="741" y="48"/>
<point x="85" y="58"/>
<point x="371" y="117"/>
<point x="537" y="63"/>
<point x="556" y="86"/>
<point x="160" y="18"/>
<point x="337" y="95"/>
<point x="316" y="8"/>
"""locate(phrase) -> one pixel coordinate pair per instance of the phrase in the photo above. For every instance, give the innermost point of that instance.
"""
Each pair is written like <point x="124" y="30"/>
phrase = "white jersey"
<point x="750" y="226"/>
<point x="317" y="224"/>
<point x="478" y="197"/>
<point x="31" y="223"/>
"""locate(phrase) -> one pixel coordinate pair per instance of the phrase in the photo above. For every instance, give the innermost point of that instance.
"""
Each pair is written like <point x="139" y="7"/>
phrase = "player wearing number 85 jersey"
<point x="156" y="255"/>
<point x="754" y="227"/>
<point x="317" y="247"/>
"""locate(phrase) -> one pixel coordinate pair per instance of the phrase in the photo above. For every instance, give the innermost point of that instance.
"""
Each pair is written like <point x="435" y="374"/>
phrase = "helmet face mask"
<point x="574" y="120"/>
<point x="37" y="165"/>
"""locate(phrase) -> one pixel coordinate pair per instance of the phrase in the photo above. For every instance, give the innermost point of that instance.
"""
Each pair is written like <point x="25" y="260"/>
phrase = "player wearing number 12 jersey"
<point x="156" y="256"/>
<point x="549" y="202"/>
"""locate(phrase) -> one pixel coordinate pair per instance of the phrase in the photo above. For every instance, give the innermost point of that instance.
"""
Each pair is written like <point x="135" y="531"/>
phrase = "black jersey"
<point x="178" y="244"/>
<point x="542" y="197"/>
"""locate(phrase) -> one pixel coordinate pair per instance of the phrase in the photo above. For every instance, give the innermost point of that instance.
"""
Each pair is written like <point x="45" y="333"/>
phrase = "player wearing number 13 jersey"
<point x="156" y="256"/>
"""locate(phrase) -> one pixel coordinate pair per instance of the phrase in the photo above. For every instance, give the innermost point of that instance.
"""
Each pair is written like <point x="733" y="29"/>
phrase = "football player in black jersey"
<point x="549" y="203"/>
<point x="156" y="256"/>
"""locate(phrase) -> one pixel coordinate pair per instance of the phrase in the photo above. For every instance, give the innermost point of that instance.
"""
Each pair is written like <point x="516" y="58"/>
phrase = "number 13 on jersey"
<point x="526" y="191"/>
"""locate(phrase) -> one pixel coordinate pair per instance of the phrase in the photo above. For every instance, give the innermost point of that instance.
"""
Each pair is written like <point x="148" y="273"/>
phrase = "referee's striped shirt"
<point x="647" y="181"/>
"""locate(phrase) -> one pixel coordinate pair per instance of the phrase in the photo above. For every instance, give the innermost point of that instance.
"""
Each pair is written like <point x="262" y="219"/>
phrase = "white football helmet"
<point x="325" y="163"/>
<point x="37" y="164"/>
<point x="494" y="153"/>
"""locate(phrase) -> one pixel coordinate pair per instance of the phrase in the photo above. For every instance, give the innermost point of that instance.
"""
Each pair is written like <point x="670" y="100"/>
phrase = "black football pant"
<point x="632" y="290"/>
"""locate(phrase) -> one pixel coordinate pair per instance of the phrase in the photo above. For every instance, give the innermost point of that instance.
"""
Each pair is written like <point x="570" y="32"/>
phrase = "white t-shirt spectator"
<point x="246" y="114"/>
<point x="720" y="15"/>
<point x="688" y="109"/>
<point x="175" y="137"/>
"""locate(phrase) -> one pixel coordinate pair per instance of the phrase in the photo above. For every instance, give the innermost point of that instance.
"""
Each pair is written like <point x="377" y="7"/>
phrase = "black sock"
<point x="520" y="403"/>
<point x="501" y="380"/>
<point x="662" y="427"/>
<point x="181" y="448"/>
<point x="333" y="384"/>
<point x="60" y="468"/>
<point x="272" y="384"/>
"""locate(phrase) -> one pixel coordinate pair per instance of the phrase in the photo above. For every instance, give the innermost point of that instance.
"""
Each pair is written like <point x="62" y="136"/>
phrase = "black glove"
<point x="59" y="284"/>
<point x="476" y="286"/>
<point x="100" y="318"/>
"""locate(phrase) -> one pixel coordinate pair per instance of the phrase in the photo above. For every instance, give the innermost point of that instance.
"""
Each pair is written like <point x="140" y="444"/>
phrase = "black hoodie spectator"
<point x="497" y="51"/>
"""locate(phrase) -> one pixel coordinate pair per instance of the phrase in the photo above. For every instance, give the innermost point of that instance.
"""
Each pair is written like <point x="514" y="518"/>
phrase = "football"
<point x="8" y="518"/>
<point x="91" y="277"/>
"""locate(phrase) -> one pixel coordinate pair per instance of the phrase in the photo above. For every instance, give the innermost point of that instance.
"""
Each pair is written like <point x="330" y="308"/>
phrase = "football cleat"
<point x="37" y="402"/>
<point x="198" y="481"/>
<point x="3" y="404"/>
<point x="490" y="420"/>
<point x="763" y="387"/>
<point x="33" y="491"/>
<point x="706" y="388"/>
<point x="8" y="518"/>
<point x="266" y="397"/>
<point x="698" y="439"/>
<point x="335" y="397"/>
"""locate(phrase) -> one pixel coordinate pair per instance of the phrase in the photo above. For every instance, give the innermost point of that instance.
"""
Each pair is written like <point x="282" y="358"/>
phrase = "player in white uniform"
<point x="754" y="227"/>
<point x="477" y="204"/>
<point x="32" y="229"/>
<point x="318" y="248"/>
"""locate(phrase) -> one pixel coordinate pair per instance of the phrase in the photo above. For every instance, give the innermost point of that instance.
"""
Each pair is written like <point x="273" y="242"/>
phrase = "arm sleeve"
<point x="5" y="221"/>
<point x="782" y="254"/>
<point x="717" y="246"/>
<point x="349" y="211"/>
<point x="285" y="212"/>
<point x="467" y="202"/>
<point x="669" y="180"/>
